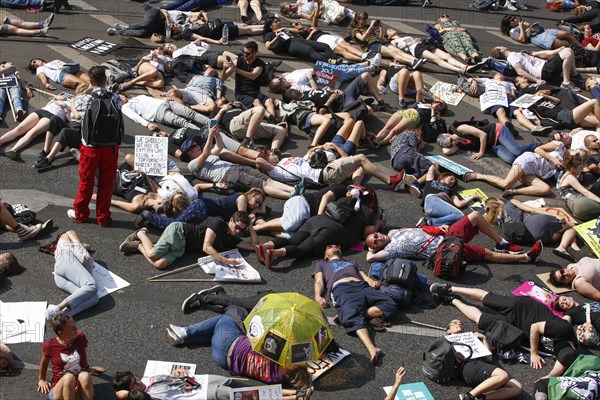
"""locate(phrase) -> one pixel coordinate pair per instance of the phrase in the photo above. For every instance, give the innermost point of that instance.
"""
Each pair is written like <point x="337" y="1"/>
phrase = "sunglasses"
<point x="247" y="53"/>
<point x="561" y="277"/>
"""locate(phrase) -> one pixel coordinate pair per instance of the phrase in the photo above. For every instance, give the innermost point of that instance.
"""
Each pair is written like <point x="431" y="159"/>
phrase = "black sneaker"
<point x="43" y="165"/>
<point x="385" y="107"/>
<point x="196" y="301"/>
<point x="248" y="143"/>
<point x="440" y="288"/>
<point x="445" y="298"/>
<point x="40" y="160"/>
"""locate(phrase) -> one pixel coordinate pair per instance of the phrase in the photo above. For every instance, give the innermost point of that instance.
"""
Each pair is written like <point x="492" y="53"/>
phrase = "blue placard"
<point x="412" y="391"/>
<point x="449" y="165"/>
<point x="326" y="74"/>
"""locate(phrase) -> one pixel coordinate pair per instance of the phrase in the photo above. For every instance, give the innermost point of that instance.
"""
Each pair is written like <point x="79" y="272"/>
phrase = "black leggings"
<point x="303" y="244"/>
<point x="154" y="22"/>
<point x="309" y="49"/>
<point x="591" y="17"/>
<point x="225" y="300"/>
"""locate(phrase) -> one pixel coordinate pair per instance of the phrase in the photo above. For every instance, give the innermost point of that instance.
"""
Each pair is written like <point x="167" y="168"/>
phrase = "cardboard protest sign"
<point x="226" y="273"/>
<point x="95" y="46"/>
<point x="154" y="367"/>
<point x="469" y="338"/>
<point x="476" y="205"/>
<point x="8" y="82"/>
<point x="590" y="232"/>
<point x="318" y="368"/>
<point x="22" y="322"/>
<point x="447" y="92"/>
<point x="326" y="74"/>
<point x="495" y="95"/>
<point x="269" y="392"/>
<point x="411" y="391"/>
<point x="538" y="294"/>
<point x="151" y="154"/>
<point x="525" y="101"/>
<point x="545" y="277"/>
<point x="449" y="164"/>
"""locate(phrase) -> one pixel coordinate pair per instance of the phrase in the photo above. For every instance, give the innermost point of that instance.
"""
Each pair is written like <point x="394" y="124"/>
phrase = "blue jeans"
<point x="440" y="212"/>
<point x="507" y="149"/>
<point x="219" y="331"/>
<point x="350" y="71"/>
<point x="187" y="5"/>
<point x="22" y="3"/>
<point x="72" y="277"/>
<point x="15" y="95"/>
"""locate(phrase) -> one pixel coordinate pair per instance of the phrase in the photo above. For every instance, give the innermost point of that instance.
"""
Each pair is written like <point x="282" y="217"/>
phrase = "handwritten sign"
<point x="449" y="164"/>
<point x="95" y="46"/>
<point x="447" y="92"/>
<point x="269" y="392"/>
<point x="327" y="74"/>
<point x="494" y="95"/>
<point x="151" y="154"/>
<point x="8" y="82"/>
<point x="479" y="350"/>
<point x="525" y="101"/>
<point x="411" y="391"/>
<point x="226" y="273"/>
<point x="590" y="232"/>
<point x="318" y="368"/>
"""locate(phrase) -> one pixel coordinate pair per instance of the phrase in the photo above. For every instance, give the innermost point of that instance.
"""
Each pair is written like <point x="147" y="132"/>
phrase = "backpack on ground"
<point x="485" y="5"/>
<point x="117" y="71"/>
<point x="103" y="122"/>
<point x="447" y="261"/>
<point x="401" y="295"/>
<point x="399" y="271"/>
<point x="504" y="336"/>
<point x="431" y="130"/>
<point x="439" y="361"/>
<point x="501" y="66"/>
<point x="21" y="213"/>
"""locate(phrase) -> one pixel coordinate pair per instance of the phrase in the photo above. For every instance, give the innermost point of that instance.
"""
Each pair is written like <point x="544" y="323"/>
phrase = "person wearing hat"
<point x="586" y="316"/>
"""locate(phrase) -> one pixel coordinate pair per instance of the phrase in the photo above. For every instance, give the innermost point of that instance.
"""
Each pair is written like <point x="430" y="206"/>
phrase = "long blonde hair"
<point x="493" y="209"/>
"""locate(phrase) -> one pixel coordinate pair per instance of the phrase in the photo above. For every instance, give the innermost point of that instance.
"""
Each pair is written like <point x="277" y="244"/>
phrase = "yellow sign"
<point x="590" y="232"/>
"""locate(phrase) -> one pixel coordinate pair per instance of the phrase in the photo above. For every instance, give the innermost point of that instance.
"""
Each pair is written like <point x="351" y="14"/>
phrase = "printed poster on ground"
<point x="95" y="46"/>
<point x="590" y="232"/>
<point x="269" y="392"/>
<point x="411" y="391"/>
<point x="477" y="204"/>
<point x="447" y="92"/>
<point x="22" y="322"/>
<point x="227" y="273"/>
<point x="450" y="165"/>
<point x="537" y="293"/>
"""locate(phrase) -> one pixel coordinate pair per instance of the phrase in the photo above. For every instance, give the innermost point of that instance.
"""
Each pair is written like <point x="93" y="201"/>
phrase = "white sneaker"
<point x="376" y="60"/>
<point x="75" y="153"/>
<point x="71" y="214"/>
<point x="51" y="311"/>
<point x="508" y="6"/>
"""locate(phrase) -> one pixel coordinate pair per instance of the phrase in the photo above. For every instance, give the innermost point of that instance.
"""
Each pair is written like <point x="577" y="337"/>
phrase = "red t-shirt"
<point x="64" y="358"/>
<point x="593" y="40"/>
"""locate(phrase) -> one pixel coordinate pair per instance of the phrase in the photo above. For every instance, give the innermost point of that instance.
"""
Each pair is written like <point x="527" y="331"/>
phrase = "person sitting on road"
<point x="54" y="71"/>
<point x="533" y="318"/>
<point x="583" y="204"/>
<point x="357" y="218"/>
<point x="485" y="379"/>
<point x="582" y="276"/>
<point x="422" y="242"/>
<point x="72" y="273"/>
<point x="493" y="137"/>
<point x="354" y="296"/>
<point x="210" y="237"/>
<point x="232" y="351"/>
<point x="67" y="351"/>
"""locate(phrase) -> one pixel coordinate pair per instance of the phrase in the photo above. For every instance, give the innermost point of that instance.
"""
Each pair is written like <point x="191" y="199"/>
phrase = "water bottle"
<point x="225" y="34"/>
<point x="168" y="31"/>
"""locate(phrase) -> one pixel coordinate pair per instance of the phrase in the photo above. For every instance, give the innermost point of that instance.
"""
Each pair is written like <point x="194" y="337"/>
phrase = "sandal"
<point x="469" y="176"/>
<point x="269" y="258"/>
<point x="378" y="324"/>
<point x="508" y="193"/>
<point x="260" y="253"/>
<point x="564" y="255"/>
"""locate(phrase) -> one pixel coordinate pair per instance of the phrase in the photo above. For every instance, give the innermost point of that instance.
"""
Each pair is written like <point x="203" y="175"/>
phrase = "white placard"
<point x="495" y="95"/>
<point x="526" y="101"/>
<point x="324" y="364"/>
<point x="479" y="350"/>
<point x="106" y="281"/>
<point x="22" y="322"/>
<point x="226" y="273"/>
<point x="151" y="154"/>
<point x="269" y="392"/>
<point x="154" y="367"/>
<point x="447" y="92"/>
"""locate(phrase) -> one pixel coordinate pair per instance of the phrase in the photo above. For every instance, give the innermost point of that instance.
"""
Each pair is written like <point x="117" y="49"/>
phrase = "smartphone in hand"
<point x="213" y="123"/>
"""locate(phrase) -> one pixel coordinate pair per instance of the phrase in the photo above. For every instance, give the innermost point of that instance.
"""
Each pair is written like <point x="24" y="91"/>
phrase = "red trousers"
<point x="103" y="159"/>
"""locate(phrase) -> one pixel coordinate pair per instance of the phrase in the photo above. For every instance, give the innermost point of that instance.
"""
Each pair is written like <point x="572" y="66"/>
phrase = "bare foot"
<point x="375" y="353"/>
<point x="94" y="197"/>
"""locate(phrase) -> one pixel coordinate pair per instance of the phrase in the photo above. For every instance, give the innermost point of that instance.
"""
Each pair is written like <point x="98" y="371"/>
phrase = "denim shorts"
<point x="376" y="47"/>
<point x="545" y="39"/>
<point x="61" y="77"/>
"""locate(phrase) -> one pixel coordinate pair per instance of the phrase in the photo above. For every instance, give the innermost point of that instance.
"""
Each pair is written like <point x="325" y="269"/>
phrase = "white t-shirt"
<point x="577" y="142"/>
<point x="291" y="169"/>
<point x="172" y="183"/>
<point x="51" y="69"/>
<point x="532" y="65"/>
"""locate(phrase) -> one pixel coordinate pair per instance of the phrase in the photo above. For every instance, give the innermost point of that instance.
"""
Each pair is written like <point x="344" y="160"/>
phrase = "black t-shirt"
<point x="314" y="198"/>
<point x="245" y="85"/>
<point x="577" y="314"/>
<point x="279" y="43"/>
<point x="227" y="117"/>
<point x="320" y="96"/>
<point x="194" y="235"/>
<point x="547" y="109"/>
<point x="178" y="136"/>
<point x="527" y="312"/>
<point x="435" y="187"/>
<point x="474" y="142"/>
<point x="593" y="159"/>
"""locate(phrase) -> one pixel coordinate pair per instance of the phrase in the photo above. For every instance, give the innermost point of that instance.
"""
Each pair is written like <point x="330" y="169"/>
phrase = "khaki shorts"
<point x="171" y="244"/>
<point x="239" y="126"/>
<point x="339" y="170"/>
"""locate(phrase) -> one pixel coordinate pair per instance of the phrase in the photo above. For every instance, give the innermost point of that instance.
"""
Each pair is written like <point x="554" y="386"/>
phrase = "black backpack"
<point x="439" y="361"/>
<point x="447" y="261"/>
<point x="485" y="5"/>
<point x="117" y="71"/>
<point x="431" y="130"/>
<point x="402" y="296"/>
<point x="399" y="271"/>
<point x="102" y="124"/>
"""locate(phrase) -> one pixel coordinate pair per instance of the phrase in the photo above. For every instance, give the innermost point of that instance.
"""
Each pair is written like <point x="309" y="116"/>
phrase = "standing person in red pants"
<point x="101" y="135"/>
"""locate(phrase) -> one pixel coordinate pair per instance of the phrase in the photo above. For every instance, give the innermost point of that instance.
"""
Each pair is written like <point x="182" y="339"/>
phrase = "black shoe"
<point x="440" y="288"/>
<point x="512" y="129"/>
<point x="196" y="301"/>
<point x="244" y="19"/>
<point x="43" y="165"/>
<point x="445" y="298"/>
